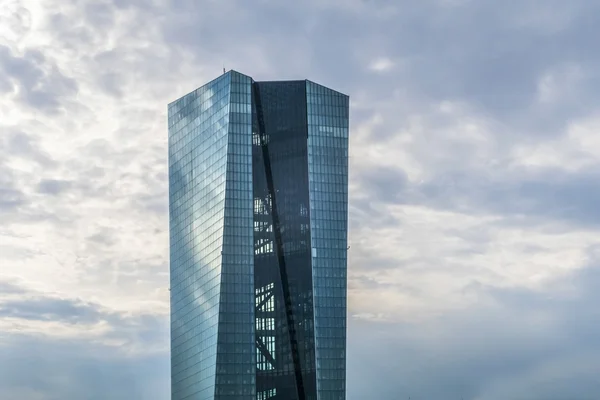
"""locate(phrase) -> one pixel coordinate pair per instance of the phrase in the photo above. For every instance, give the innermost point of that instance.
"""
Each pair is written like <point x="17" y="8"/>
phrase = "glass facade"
<point x="283" y="260"/>
<point x="258" y="223"/>
<point x="328" y="180"/>
<point x="198" y="145"/>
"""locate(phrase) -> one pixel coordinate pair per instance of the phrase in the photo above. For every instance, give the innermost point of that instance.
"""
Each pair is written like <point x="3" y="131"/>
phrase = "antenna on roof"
<point x="223" y="68"/>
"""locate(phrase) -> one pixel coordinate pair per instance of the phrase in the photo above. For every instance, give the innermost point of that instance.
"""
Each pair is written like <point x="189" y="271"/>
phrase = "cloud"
<point x="53" y="186"/>
<point x="50" y="309"/>
<point x="36" y="82"/>
<point x="514" y="344"/>
<point x="10" y="199"/>
<point x="381" y="64"/>
<point x="10" y="288"/>
<point x="472" y="173"/>
<point x="26" y="146"/>
<point x="42" y="368"/>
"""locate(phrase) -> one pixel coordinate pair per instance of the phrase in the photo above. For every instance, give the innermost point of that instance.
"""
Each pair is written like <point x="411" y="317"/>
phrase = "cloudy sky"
<point x="474" y="268"/>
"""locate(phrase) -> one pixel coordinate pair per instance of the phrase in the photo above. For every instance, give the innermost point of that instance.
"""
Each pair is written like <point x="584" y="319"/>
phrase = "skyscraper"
<point x="258" y="189"/>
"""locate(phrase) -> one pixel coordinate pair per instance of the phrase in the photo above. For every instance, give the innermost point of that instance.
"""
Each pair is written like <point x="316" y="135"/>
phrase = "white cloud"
<point x="423" y="262"/>
<point x="381" y="64"/>
<point x="577" y="150"/>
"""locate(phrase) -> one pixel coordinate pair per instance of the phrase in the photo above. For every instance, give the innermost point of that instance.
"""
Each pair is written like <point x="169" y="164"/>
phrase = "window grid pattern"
<point x="267" y="394"/>
<point x="222" y="308"/>
<point x="265" y="327"/>
<point x="327" y="113"/>
<point x="198" y="147"/>
<point x="236" y="366"/>
<point x="282" y="238"/>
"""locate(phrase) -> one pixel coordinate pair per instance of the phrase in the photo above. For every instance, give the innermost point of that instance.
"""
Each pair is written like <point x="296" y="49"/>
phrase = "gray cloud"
<point x="72" y="36"/>
<point x="25" y="145"/>
<point x="112" y="83"/>
<point x="51" y="309"/>
<point x="516" y="344"/>
<point x="11" y="288"/>
<point x="133" y="329"/>
<point x="51" y="369"/>
<point x="53" y="186"/>
<point x="543" y="195"/>
<point x="105" y="238"/>
<point x="489" y="55"/>
<point x="41" y="367"/>
<point x="99" y="15"/>
<point x="11" y="199"/>
<point x="40" y="84"/>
